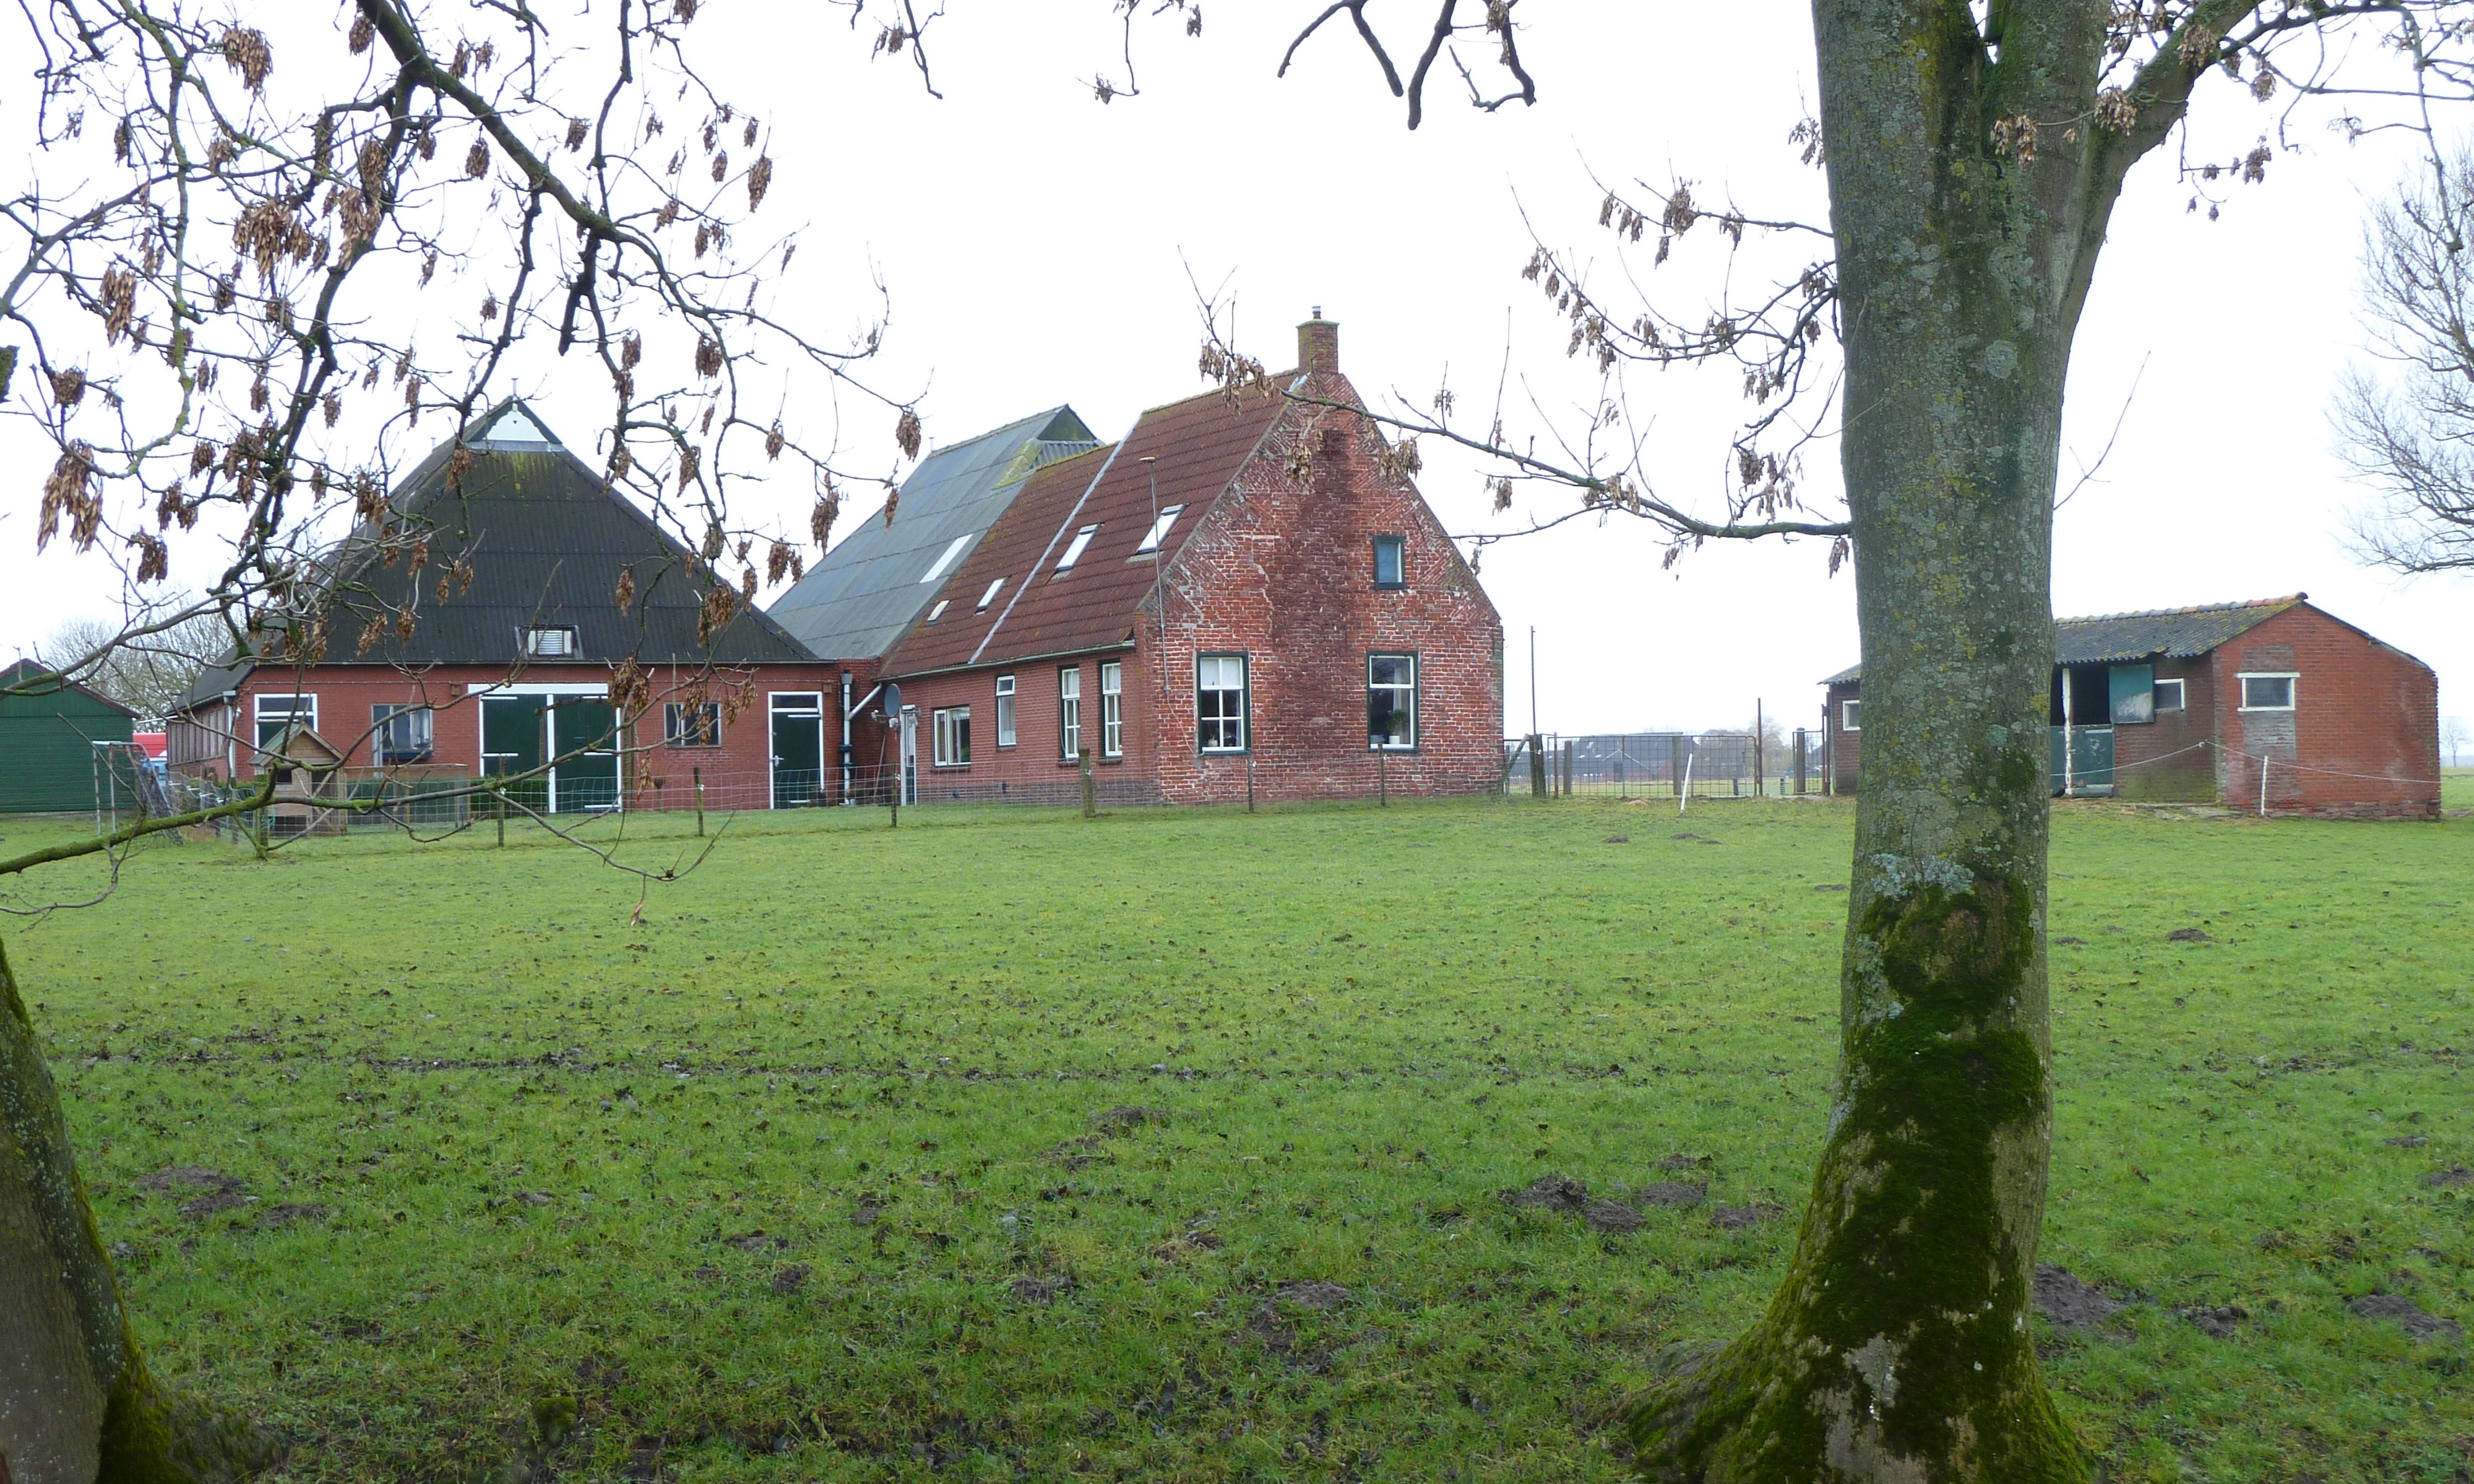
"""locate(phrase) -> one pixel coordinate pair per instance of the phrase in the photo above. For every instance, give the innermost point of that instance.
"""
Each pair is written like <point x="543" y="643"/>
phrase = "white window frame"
<point x="674" y="735"/>
<point x="1410" y="656"/>
<point x="1160" y="529"/>
<point x="1005" y="710"/>
<point x="2181" y="696"/>
<point x="290" y="707"/>
<point x="2293" y="686"/>
<point x="991" y="595"/>
<point x="938" y="612"/>
<point x="551" y="641"/>
<point x="1069" y="712"/>
<point x="1113" y="709"/>
<point x="945" y="563"/>
<point x="1850" y="714"/>
<point x="1075" y="549"/>
<point x="423" y="745"/>
<point x="952" y="741"/>
<point x="1245" y="691"/>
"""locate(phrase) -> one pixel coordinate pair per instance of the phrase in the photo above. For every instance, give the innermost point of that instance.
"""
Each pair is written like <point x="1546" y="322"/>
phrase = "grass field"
<point x="813" y="1173"/>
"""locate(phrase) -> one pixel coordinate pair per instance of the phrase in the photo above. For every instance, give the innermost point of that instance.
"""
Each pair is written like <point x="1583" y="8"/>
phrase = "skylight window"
<point x="938" y="612"/>
<point x="991" y="595"/>
<point x="1160" y="529"/>
<point x="1075" y="549"/>
<point x="945" y="563"/>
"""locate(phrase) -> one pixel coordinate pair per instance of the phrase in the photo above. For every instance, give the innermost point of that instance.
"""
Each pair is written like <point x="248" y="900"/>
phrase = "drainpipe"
<point x="2069" y="761"/>
<point x="845" y="748"/>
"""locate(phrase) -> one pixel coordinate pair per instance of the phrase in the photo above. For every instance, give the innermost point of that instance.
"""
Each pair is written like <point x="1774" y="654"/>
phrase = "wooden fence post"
<point x="1568" y="767"/>
<point x="1382" y="779"/>
<point x="1249" y="782"/>
<point x="1090" y="797"/>
<point x="1536" y="765"/>
<point x="1800" y="750"/>
<point x="697" y="773"/>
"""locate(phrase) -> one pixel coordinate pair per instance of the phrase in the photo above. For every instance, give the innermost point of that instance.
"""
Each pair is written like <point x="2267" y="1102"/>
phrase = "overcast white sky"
<point x="1036" y="247"/>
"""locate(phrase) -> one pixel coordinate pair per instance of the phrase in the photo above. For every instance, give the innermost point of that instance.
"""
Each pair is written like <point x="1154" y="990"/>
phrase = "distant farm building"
<point x="49" y="730"/>
<point x="2274" y="706"/>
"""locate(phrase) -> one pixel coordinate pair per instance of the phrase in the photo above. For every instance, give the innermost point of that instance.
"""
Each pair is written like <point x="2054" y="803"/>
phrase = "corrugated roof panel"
<point x="2121" y="638"/>
<point x="875" y="582"/>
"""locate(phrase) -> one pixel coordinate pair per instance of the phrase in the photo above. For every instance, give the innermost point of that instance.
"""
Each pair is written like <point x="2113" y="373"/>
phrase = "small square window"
<point x="2268" y="692"/>
<point x="399" y="734"/>
<point x="691" y="723"/>
<point x="549" y="643"/>
<point x="2169" y="695"/>
<point x="1391" y="561"/>
<point x="953" y="736"/>
<point x="1847" y="714"/>
<point x="279" y="713"/>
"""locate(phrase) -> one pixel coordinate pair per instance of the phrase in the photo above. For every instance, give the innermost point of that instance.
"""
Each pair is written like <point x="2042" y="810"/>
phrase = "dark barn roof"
<point x="2121" y="638"/>
<point x="546" y="540"/>
<point x="1200" y="444"/>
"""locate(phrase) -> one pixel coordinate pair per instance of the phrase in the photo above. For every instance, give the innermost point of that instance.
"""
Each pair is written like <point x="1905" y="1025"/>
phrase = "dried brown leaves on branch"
<point x="272" y="196"/>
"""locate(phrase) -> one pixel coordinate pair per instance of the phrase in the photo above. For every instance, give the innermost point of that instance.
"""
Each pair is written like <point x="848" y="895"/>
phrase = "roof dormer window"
<point x="1160" y="529"/>
<point x="1075" y="549"/>
<point x="557" y="643"/>
<point x="945" y="563"/>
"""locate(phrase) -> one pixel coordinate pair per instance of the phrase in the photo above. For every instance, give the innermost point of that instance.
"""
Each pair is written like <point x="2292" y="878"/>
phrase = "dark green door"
<point x="798" y="747"/>
<point x="512" y="743"/>
<point x="585" y="730"/>
<point x="2091" y="761"/>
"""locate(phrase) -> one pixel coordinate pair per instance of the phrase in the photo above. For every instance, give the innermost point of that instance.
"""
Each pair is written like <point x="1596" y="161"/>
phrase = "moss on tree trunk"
<point x="1899" y="1347"/>
<point x="77" y="1403"/>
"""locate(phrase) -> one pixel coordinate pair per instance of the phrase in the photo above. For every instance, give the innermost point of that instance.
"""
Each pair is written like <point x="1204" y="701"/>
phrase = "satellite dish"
<point x="892" y="699"/>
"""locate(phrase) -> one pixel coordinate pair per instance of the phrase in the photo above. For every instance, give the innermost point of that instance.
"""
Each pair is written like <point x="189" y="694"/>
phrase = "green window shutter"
<point x="2133" y="689"/>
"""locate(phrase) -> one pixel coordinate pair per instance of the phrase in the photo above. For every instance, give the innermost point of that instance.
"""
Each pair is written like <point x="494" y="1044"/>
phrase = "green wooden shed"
<point x="48" y="729"/>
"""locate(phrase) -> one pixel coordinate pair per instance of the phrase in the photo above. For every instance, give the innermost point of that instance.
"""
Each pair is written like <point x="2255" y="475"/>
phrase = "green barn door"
<point x="585" y="730"/>
<point x="512" y="742"/>
<point x="798" y="747"/>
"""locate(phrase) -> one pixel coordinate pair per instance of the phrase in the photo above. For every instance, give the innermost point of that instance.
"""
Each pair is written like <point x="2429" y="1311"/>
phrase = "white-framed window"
<point x="945" y="562"/>
<point x="1391" y="561"/>
<point x="1075" y="549"/>
<point x="1112" y="710"/>
<point x="1850" y="712"/>
<point x="991" y="595"/>
<point x="2267" y="692"/>
<point x="2169" y="695"/>
<point x="1391" y="702"/>
<point x="274" y="712"/>
<point x="399" y="734"/>
<point x="938" y="612"/>
<point x="1005" y="710"/>
<point x="551" y="641"/>
<point x="1158" y="532"/>
<point x="953" y="736"/>
<point x="1220" y="702"/>
<point x="691" y="723"/>
<point x="1069" y="712"/>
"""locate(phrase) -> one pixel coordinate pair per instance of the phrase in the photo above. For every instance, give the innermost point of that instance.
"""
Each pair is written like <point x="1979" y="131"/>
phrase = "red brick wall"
<point x="2362" y="740"/>
<point x="737" y="773"/>
<point x="1284" y="574"/>
<point x="2169" y="760"/>
<point x="1840" y="764"/>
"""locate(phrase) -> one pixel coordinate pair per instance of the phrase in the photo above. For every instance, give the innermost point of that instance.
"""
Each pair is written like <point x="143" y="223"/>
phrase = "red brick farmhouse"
<point x="2273" y="707"/>
<point x="1244" y="592"/>
<point x="512" y="672"/>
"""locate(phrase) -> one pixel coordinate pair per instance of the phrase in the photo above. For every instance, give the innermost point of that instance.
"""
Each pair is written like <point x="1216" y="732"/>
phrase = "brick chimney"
<point x="1319" y="344"/>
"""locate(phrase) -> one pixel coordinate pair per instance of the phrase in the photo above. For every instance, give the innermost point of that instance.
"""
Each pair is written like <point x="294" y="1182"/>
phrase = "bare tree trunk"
<point x="77" y="1404"/>
<point x="1899" y="1348"/>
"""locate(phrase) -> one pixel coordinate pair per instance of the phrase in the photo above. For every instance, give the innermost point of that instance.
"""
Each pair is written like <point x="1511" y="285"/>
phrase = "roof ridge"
<point x="1041" y="418"/>
<point x="1217" y="391"/>
<point x="2287" y="600"/>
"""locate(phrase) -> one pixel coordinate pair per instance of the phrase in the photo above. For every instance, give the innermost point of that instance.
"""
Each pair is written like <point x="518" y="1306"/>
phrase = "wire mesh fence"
<point x="1666" y="765"/>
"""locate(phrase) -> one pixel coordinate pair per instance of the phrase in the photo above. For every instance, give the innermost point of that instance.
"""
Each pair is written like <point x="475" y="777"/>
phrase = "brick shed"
<point x="516" y="635"/>
<point x="1243" y="591"/>
<point x="2275" y="707"/>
